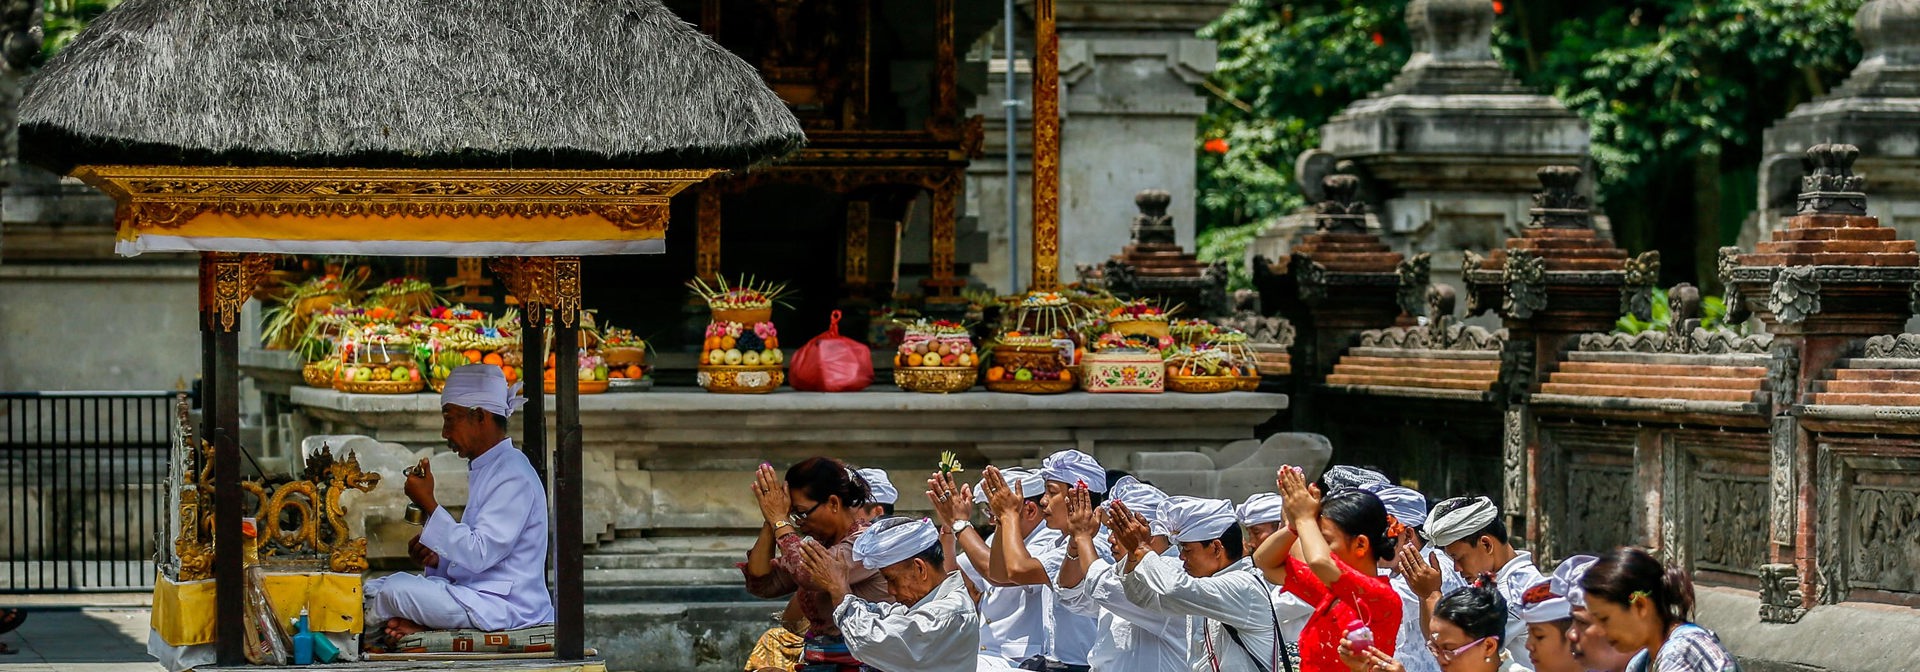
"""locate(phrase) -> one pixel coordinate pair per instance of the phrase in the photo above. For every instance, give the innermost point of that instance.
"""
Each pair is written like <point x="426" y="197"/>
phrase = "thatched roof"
<point x="400" y="83"/>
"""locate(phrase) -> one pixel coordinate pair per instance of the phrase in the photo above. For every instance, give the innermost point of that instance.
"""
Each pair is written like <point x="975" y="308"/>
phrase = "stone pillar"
<point x="1877" y="110"/>
<point x="1129" y="115"/>
<point x="1557" y="280"/>
<point x="1830" y="277"/>
<point x="1448" y="149"/>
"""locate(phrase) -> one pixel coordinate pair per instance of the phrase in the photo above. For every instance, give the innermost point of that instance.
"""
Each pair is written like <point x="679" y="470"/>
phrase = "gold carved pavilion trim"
<point x="543" y="282"/>
<point x="1046" y="148"/>
<point x="227" y="280"/>
<point x="629" y="203"/>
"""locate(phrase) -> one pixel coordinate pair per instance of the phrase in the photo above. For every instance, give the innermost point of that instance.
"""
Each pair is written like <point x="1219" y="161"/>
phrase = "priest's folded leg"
<point x="403" y="604"/>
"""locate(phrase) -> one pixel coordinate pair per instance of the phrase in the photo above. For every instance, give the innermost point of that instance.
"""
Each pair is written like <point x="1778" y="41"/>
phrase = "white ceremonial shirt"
<point x="1292" y="613"/>
<point x="495" y="557"/>
<point x="1013" y="619"/>
<point x="1073" y="633"/>
<point x="940" y="633"/>
<point x="1513" y="581"/>
<point x="1235" y="596"/>
<point x="1129" y="638"/>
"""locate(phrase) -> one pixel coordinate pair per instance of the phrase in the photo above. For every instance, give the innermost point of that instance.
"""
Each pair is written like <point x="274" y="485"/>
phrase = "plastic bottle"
<point x="266" y="638"/>
<point x="302" y="640"/>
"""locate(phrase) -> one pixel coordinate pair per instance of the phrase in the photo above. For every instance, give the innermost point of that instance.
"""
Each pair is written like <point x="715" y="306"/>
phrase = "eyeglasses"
<point x="801" y="517"/>
<point x="1445" y="656"/>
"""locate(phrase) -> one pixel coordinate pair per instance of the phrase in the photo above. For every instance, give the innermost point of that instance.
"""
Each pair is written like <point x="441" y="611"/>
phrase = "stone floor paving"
<point x="80" y="639"/>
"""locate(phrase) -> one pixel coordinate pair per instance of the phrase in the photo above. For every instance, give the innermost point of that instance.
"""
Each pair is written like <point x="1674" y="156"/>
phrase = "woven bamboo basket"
<point x="378" y="386"/>
<point x="586" y="387"/>
<point x="939" y="379"/>
<point x="624" y="356"/>
<point x="740" y="379"/>
<point x="1154" y="328"/>
<point x="1249" y="384"/>
<point x="1031" y="386"/>
<point x="314" y="376"/>
<point x="746" y="316"/>
<point x="1203" y="384"/>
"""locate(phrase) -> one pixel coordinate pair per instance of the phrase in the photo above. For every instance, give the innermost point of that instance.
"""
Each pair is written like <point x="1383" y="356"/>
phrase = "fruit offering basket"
<point x="1215" y="366"/>
<point x="405" y="297"/>
<point x="1241" y="359"/>
<point x="378" y="359"/>
<point x="458" y="339"/>
<point x="1046" y="314"/>
<point x="936" y="357"/>
<point x="593" y="373"/>
<point x="1026" y="364"/>
<point x="1138" y="317"/>
<point x="1190" y="332"/>
<point x="297" y="305"/>
<point x="626" y="356"/>
<point x="741" y="353"/>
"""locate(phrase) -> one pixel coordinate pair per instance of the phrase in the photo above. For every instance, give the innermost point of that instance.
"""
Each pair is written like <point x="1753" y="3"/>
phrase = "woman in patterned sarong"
<point x="817" y="500"/>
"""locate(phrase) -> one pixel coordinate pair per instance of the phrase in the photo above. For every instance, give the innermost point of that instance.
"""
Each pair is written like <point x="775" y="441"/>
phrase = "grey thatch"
<point x="401" y="83"/>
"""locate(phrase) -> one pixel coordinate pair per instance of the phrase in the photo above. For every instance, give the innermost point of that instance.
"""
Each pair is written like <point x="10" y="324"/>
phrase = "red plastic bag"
<point x="832" y="363"/>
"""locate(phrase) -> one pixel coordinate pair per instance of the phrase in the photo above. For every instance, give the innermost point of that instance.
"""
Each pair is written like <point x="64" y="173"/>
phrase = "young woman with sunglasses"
<point x="818" y="500"/>
<point x="1468" y="627"/>
<point x="1640" y="604"/>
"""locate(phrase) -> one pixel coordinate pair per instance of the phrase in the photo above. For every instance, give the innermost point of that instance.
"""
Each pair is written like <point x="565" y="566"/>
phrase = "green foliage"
<point x="65" y="19"/>
<point x="1285" y="68"/>
<point x="1713" y="315"/>
<point x="1671" y="79"/>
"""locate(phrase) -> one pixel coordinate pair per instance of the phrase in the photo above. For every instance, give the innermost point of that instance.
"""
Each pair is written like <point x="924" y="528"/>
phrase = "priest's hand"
<point x="1300" y="501"/>
<point x="1131" y="531"/>
<point x="771" y="494"/>
<point x="1005" y="500"/>
<point x="951" y="501"/>
<point x="419" y="486"/>
<point x="421" y="554"/>
<point x="1423" y="578"/>
<point x="1081" y="521"/>
<point x="826" y="571"/>
<point x="1369" y="659"/>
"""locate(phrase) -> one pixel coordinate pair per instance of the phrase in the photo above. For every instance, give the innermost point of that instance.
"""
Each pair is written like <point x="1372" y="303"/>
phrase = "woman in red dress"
<point x="1342" y="539"/>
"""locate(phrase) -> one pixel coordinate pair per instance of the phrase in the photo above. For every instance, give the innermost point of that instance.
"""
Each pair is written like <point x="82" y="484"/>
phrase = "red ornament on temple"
<point x="1379" y="40"/>
<point x="1216" y="146"/>
<point x="1499" y="7"/>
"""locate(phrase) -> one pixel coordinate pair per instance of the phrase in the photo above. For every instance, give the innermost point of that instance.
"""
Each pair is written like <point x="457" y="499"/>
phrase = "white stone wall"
<point x="116" y="326"/>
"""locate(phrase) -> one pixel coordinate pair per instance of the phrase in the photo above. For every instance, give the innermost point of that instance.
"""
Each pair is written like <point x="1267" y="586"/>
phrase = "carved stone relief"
<point x="1780" y="595"/>
<point x="1514" y="460"/>
<point x="1885" y="533"/>
<point x="1795" y="295"/>
<point x="1525" y="276"/>
<point x="1730" y="522"/>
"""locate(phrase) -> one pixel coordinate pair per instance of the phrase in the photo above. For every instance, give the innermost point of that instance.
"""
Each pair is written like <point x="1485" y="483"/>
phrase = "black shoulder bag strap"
<point x="1279" y="643"/>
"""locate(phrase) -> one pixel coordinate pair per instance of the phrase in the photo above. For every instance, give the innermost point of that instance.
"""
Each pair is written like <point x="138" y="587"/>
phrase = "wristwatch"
<point x="959" y="525"/>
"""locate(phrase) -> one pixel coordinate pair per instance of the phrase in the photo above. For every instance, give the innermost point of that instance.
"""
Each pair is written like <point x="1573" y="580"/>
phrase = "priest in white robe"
<point x="1232" y="625"/>
<point x="931" y="624"/>
<point x="487" y="570"/>
<point x="1129" y="638"/>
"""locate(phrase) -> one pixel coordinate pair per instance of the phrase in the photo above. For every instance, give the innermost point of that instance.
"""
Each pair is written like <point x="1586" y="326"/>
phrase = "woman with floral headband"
<point x="1640" y="604"/>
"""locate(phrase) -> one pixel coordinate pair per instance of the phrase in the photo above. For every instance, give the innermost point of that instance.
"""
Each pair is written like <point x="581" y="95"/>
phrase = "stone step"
<point x="1360" y="371"/>
<point x="1396" y="354"/>
<point x="1642" y="392"/>
<point x="1877" y="374"/>
<point x="687" y="637"/>
<point x="1695" y="380"/>
<point x="698" y="594"/>
<point x="1632" y="369"/>
<point x="1689" y="361"/>
<point x="702" y="560"/>
<point x="661" y="577"/>
<point x="1863" y="363"/>
<point x="1832" y="221"/>
<point x="1869" y="386"/>
<point x="1789" y="235"/>
<point x="1422" y="363"/>
<point x="1833" y="399"/>
<point x="628" y="545"/>
<point x="1409" y="381"/>
<point x="1832" y="259"/>
<point x="1835" y="246"/>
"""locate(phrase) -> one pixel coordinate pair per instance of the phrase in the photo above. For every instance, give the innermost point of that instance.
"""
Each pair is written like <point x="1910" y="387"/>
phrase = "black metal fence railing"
<point x="81" y="489"/>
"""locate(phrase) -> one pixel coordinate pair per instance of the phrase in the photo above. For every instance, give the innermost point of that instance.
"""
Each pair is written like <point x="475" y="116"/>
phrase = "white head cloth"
<point x="1197" y="518"/>
<point x="1073" y="467"/>
<point x="482" y="386"/>
<point x="1539" y="603"/>
<point x="1343" y="477"/>
<point x="1262" y="507"/>
<point x="1030" y="484"/>
<point x="1454" y="519"/>
<point x="890" y="541"/>
<point x="1146" y="500"/>
<point x="1404" y="504"/>
<point x="1566" y="579"/>
<point x="877" y="484"/>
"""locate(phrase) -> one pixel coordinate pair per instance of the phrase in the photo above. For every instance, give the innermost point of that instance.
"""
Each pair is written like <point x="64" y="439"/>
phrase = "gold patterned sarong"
<point x="777" y="649"/>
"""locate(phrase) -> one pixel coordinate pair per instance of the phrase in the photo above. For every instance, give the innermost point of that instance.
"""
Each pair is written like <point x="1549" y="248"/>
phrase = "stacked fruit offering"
<point x="456" y="337"/>
<point x="739" y="344"/>
<point x="741" y="352"/>
<point x="591" y="367"/>
<point x="1029" y="364"/>
<point x="936" y="357"/>
<point x="626" y="356"/>
<point x="378" y="359"/>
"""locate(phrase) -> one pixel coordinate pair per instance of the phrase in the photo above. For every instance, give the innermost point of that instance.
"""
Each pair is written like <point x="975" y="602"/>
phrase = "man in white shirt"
<point x="931" y="624"/>
<point x="1128" y="637"/>
<point x="1232" y="623"/>
<point x="486" y="571"/>
<point x="1013" y="618"/>
<point x="1071" y="635"/>
<point x="1469" y="531"/>
<point x="1263" y="515"/>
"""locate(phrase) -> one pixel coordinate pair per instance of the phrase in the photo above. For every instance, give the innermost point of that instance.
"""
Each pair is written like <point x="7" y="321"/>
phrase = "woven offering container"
<point x="740" y="379"/>
<point x="1116" y="372"/>
<point x="936" y="379"/>
<point x="1203" y="384"/>
<point x="1154" y="328"/>
<point x="314" y="376"/>
<point x="586" y="387"/>
<point x="1030" y="386"/>
<point x="746" y="316"/>
<point x="378" y="386"/>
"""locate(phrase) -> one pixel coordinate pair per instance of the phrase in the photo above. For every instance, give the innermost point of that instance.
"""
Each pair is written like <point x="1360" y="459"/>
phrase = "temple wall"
<point x="123" y="326"/>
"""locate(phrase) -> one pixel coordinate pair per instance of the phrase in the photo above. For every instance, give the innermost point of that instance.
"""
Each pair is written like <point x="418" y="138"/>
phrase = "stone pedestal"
<point x="1877" y="109"/>
<point x="1447" y="151"/>
<point x="1130" y="109"/>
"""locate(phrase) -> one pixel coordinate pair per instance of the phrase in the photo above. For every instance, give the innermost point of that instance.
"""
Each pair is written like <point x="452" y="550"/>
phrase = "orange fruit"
<point x="773" y="342"/>
<point x="513" y="374"/>
<point x="1066" y="374"/>
<point x="494" y="359"/>
<point x="634" y="371"/>
<point x="549" y="375"/>
<point x="712" y="343"/>
<point x="914" y="360"/>
<point x="473" y="356"/>
<point x="996" y="373"/>
<point x="727" y="343"/>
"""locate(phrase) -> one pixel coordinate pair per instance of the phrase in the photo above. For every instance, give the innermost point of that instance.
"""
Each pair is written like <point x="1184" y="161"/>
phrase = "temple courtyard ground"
<point x="99" y="632"/>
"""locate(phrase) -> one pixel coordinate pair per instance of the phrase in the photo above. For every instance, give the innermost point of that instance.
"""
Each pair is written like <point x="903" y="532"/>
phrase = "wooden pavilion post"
<point x="1046" y="148"/>
<point x="568" y="488"/>
<point x="227" y="279"/>
<point x="533" y="358"/>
